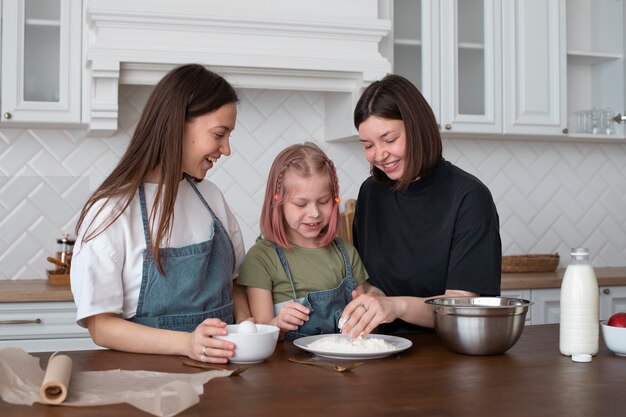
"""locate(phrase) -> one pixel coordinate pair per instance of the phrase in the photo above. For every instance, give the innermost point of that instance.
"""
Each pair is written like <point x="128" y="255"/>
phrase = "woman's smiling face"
<point x="206" y="138"/>
<point x="384" y="142"/>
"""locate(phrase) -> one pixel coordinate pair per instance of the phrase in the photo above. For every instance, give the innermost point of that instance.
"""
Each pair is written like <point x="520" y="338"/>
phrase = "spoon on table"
<point x="332" y="366"/>
<point x="238" y="370"/>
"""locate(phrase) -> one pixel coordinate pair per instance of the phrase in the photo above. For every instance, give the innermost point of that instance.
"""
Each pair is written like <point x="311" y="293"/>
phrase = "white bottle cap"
<point x="581" y="357"/>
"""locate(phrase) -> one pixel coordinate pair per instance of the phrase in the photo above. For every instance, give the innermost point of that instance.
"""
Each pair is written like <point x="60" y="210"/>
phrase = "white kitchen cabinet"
<point x="534" y="65"/>
<point x="612" y="300"/>
<point x="546" y="308"/>
<point x="547" y="305"/>
<point x="523" y="294"/>
<point x="595" y="62"/>
<point x="42" y="327"/>
<point x="41" y="62"/>
<point x="500" y="63"/>
<point x="471" y="70"/>
<point x="415" y="46"/>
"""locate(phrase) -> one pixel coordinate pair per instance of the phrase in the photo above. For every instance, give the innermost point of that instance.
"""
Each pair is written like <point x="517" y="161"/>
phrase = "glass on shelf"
<point x="595" y="121"/>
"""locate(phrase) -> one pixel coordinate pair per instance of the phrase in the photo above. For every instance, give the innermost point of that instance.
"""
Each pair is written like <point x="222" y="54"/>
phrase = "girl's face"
<point x="206" y="138"/>
<point x="384" y="141"/>
<point x="307" y="208"/>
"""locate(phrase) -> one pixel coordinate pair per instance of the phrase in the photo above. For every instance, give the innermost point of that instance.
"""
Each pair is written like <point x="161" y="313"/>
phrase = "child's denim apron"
<point x="326" y="305"/>
<point x="198" y="281"/>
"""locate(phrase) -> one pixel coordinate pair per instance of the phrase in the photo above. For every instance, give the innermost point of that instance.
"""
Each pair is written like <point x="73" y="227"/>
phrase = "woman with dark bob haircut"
<point x="423" y="227"/>
<point x="158" y="247"/>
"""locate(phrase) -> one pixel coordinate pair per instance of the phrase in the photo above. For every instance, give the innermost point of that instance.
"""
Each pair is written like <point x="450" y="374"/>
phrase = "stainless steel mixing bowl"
<point x="479" y="325"/>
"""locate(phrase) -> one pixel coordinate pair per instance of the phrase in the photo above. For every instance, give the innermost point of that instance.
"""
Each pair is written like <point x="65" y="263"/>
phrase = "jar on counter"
<point x="64" y="249"/>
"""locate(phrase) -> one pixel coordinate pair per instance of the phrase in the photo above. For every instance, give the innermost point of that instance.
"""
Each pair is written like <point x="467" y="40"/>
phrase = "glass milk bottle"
<point x="580" y="312"/>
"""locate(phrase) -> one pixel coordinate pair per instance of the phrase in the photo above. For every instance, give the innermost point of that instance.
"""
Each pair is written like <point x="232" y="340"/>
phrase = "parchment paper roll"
<point x="56" y="380"/>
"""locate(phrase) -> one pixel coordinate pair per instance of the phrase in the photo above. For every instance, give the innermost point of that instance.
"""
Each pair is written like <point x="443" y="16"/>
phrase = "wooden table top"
<point x="531" y="379"/>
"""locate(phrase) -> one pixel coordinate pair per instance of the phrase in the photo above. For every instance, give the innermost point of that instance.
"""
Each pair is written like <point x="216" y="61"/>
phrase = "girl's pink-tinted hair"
<point x="305" y="160"/>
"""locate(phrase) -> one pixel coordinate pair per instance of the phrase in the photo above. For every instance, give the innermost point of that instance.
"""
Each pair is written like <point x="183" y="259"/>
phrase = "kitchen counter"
<point x="33" y="290"/>
<point x="531" y="379"/>
<point x="14" y="291"/>
<point x="607" y="276"/>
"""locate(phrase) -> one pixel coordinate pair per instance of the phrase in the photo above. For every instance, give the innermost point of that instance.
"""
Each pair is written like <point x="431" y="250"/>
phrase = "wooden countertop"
<point x="30" y="290"/>
<point x="607" y="276"/>
<point x="531" y="379"/>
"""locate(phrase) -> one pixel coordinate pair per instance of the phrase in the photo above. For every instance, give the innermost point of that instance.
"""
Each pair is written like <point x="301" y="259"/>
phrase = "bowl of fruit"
<point x="614" y="333"/>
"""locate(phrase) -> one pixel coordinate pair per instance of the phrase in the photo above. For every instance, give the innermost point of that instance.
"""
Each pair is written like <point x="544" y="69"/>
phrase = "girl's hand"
<point x="204" y="348"/>
<point x="292" y="315"/>
<point x="365" y="312"/>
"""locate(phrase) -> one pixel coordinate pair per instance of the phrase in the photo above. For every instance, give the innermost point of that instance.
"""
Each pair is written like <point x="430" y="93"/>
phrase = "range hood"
<point x="326" y="45"/>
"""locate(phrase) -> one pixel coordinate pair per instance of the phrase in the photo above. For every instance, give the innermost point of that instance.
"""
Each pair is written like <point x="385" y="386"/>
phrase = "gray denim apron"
<point x="325" y="305"/>
<point x="198" y="281"/>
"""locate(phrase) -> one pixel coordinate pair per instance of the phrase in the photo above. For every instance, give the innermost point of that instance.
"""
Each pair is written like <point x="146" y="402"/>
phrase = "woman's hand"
<point x="292" y="315"/>
<point x="204" y="348"/>
<point x="365" y="312"/>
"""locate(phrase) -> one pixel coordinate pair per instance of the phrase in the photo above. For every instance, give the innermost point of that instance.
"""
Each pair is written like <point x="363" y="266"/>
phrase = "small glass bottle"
<point x="579" y="325"/>
<point x="64" y="249"/>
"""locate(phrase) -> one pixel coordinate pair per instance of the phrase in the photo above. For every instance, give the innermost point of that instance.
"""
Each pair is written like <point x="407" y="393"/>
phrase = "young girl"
<point x="300" y="276"/>
<point x="158" y="247"/>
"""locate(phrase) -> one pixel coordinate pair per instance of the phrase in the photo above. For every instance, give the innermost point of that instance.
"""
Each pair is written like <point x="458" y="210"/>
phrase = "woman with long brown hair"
<point x="158" y="247"/>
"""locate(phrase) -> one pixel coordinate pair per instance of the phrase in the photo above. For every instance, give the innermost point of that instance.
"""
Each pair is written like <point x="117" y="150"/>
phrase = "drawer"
<point x="39" y="321"/>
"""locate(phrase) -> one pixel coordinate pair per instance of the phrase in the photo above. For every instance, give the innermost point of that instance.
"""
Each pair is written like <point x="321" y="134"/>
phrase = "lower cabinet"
<point x="524" y="294"/>
<point x="546" y="307"/>
<point x="42" y="327"/>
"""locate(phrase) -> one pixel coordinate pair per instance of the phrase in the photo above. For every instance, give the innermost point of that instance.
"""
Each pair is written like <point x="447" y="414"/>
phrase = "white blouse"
<point x="106" y="271"/>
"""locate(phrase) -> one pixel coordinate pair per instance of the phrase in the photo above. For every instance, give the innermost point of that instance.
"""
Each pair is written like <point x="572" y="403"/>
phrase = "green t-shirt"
<point x="311" y="269"/>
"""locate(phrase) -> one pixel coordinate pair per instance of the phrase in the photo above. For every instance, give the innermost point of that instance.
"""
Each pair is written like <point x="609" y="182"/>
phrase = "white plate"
<point x="399" y="344"/>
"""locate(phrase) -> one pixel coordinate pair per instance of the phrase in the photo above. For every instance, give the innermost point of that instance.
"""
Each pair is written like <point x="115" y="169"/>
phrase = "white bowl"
<point x="252" y="347"/>
<point x="614" y="338"/>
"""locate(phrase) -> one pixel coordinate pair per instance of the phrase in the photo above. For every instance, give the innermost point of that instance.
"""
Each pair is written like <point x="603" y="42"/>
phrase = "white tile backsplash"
<point x="550" y="196"/>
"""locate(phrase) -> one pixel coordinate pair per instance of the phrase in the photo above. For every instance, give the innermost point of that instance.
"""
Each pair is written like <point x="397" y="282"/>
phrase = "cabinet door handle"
<point x="7" y="115"/>
<point x="607" y="291"/>
<point x="36" y="321"/>
<point x="448" y="126"/>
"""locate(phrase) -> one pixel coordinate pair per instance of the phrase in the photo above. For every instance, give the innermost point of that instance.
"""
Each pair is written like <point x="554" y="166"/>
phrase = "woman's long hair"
<point x="305" y="160"/>
<point x="186" y="92"/>
<point x="396" y="98"/>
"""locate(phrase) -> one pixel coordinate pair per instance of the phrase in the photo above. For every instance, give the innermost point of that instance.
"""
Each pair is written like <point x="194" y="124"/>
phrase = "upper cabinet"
<point x="595" y="68"/>
<point x="41" y="62"/>
<point x="471" y="72"/>
<point x="534" y="65"/>
<point x="540" y="68"/>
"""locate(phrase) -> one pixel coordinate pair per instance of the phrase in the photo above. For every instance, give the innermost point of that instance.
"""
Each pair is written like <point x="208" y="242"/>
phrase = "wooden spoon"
<point x="332" y="366"/>
<point x="196" y="364"/>
<point x="62" y="266"/>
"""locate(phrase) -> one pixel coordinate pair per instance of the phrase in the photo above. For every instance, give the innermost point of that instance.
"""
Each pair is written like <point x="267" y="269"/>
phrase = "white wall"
<point x="550" y="196"/>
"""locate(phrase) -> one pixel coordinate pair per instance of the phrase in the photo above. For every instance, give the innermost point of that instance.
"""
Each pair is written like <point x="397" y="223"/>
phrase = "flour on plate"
<point x="344" y="345"/>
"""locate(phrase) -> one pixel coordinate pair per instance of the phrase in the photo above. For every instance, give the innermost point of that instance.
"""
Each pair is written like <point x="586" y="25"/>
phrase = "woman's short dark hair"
<point x="396" y="98"/>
